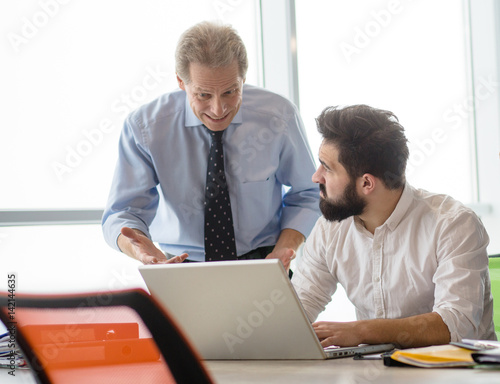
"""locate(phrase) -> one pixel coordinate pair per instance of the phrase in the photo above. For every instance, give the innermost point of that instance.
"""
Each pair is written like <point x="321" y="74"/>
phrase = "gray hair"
<point x="210" y="44"/>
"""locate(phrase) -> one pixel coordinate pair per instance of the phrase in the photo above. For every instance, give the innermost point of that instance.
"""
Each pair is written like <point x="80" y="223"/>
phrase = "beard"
<point x="349" y="204"/>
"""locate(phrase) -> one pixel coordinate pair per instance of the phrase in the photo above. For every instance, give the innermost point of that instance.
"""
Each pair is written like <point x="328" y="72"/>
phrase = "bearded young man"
<point x="413" y="263"/>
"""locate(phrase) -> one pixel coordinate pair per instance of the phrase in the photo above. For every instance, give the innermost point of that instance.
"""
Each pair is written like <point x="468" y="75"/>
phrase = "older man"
<point x="413" y="263"/>
<point x="218" y="170"/>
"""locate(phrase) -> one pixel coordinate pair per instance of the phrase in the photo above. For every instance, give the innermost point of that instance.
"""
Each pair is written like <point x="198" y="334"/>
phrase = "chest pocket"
<point x="254" y="204"/>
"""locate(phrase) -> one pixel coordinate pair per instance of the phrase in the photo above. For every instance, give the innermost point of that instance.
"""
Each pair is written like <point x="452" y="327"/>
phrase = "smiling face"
<point x="214" y="94"/>
<point x="339" y="198"/>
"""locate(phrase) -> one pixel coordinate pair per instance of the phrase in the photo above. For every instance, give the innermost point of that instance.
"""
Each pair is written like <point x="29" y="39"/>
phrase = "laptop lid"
<point x="244" y="309"/>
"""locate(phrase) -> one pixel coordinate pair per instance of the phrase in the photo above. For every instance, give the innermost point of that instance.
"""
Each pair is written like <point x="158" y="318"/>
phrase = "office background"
<point x="71" y="71"/>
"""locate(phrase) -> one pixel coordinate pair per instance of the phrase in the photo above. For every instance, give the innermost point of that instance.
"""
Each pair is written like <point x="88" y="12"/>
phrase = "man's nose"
<point x="217" y="107"/>
<point x="317" y="176"/>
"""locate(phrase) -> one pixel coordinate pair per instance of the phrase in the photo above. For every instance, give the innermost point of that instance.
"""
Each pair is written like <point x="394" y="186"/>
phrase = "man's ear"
<point x="368" y="182"/>
<point x="181" y="83"/>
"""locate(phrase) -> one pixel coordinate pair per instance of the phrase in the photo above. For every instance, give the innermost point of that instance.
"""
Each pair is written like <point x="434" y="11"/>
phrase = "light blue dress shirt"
<point x="159" y="181"/>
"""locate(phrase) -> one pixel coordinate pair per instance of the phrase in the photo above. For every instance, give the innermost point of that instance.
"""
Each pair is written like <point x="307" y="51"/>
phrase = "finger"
<point x="177" y="259"/>
<point x="287" y="258"/>
<point x="290" y="254"/>
<point x="286" y="264"/>
<point x="322" y="334"/>
<point x="327" y="342"/>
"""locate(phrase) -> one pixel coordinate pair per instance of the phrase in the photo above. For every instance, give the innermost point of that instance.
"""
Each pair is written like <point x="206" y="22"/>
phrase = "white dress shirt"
<point x="429" y="256"/>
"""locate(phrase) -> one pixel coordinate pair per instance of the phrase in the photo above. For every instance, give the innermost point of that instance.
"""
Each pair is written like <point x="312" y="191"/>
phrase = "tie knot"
<point x="216" y="135"/>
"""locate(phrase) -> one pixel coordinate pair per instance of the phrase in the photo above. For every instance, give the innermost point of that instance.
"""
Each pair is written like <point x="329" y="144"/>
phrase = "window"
<point x="70" y="73"/>
<point x="416" y="59"/>
<point x="402" y="58"/>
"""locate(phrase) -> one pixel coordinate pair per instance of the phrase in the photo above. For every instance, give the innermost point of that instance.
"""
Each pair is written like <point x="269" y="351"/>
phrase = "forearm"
<point x="137" y="245"/>
<point x="415" y="331"/>
<point x="289" y="238"/>
<point x="126" y="246"/>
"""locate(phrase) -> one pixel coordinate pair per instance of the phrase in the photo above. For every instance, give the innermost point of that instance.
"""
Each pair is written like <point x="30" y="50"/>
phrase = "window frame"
<point x="280" y="74"/>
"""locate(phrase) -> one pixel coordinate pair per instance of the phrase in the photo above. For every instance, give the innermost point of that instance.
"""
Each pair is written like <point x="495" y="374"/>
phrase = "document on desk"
<point x="10" y="355"/>
<point x="438" y="356"/>
<point x="488" y="356"/>
<point x="483" y="351"/>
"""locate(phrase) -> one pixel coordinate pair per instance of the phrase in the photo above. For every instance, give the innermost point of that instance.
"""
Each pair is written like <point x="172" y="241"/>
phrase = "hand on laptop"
<point x="137" y="245"/>
<point x="286" y="255"/>
<point x="336" y="333"/>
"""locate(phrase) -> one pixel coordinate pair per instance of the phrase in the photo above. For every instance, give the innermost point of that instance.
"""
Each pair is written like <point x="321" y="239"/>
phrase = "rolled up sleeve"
<point x="301" y="200"/>
<point x="312" y="280"/>
<point x="133" y="198"/>
<point x="463" y="292"/>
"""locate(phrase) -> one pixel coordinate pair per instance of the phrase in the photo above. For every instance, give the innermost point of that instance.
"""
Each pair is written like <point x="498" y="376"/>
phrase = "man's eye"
<point x="203" y="95"/>
<point x="328" y="170"/>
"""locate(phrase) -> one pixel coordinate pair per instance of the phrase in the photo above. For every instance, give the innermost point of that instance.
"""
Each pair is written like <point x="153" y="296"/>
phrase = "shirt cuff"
<point x="112" y="230"/>
<point x="300" y="219"/>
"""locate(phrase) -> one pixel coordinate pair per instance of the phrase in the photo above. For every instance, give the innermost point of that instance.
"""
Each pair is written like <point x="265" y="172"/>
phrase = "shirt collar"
<point x="402" y="207"/>
<point x="192" y="121"/>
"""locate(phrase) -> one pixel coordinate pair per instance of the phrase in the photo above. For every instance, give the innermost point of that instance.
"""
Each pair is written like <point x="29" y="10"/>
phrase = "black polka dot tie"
<point x="219" y="231"/>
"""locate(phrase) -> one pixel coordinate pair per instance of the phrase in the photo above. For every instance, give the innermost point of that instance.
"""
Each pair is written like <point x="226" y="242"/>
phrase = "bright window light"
<point x="409" y="57"/>
<point x="71" y="72"/>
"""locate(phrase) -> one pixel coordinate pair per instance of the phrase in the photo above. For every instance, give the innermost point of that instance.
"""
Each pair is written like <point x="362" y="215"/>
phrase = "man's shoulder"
<point x="441" y="206"/>
<point x="260" y="100"/>
<point x="326" y="228"/>
<point x="435" y="200"/>
<point x="159" y="109"/>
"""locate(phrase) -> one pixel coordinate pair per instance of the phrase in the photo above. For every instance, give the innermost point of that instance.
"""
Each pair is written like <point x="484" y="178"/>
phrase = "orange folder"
<point x="72" y="345"/>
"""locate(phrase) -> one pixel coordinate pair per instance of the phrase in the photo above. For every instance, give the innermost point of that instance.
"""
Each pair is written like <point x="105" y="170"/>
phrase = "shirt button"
<point x="379" y="313"/>
<point x="376" y="279"/>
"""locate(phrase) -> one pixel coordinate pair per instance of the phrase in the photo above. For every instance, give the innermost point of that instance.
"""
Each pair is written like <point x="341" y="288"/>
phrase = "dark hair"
<point x="368" y="140"/>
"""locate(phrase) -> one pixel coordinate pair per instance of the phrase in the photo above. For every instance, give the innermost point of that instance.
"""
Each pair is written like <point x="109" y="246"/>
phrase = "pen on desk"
<point x="480" y="344"/>
<point x="470" y="347"/>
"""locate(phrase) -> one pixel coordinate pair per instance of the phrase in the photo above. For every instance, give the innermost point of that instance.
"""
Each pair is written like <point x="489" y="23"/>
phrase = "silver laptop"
<point x="244" y="309"/>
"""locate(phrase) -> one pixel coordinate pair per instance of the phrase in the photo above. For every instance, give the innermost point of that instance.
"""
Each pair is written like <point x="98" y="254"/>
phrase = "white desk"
<point x="341" y="371"/>
<point x="324" y="371"/>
